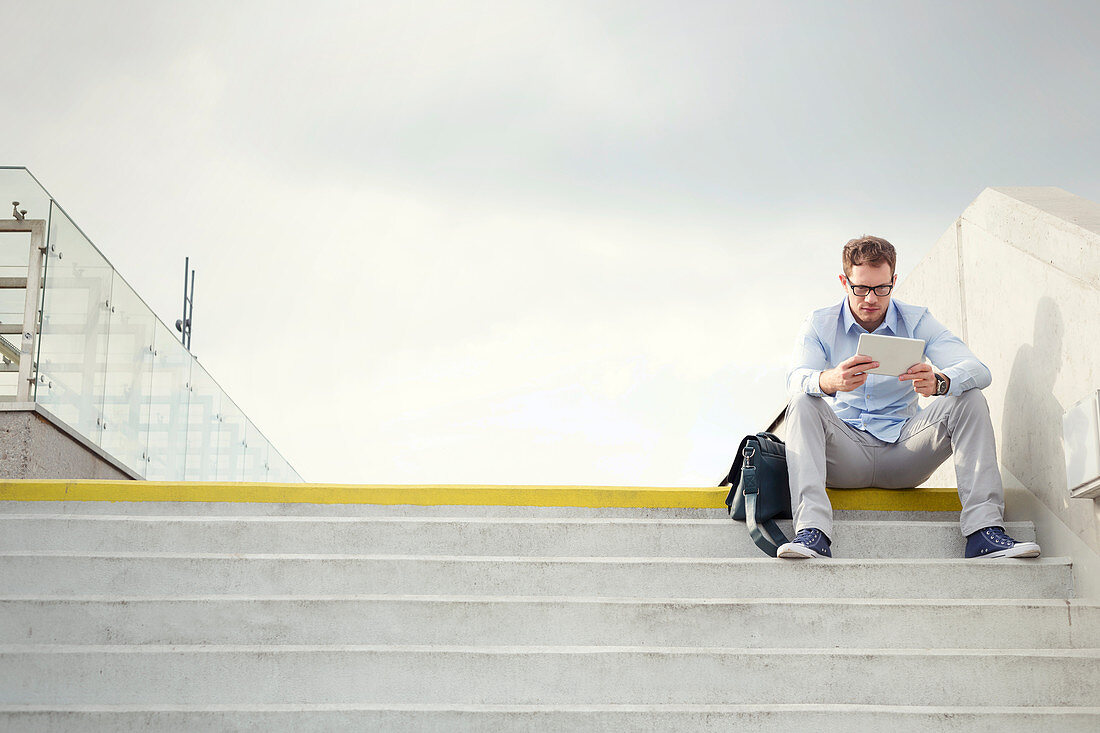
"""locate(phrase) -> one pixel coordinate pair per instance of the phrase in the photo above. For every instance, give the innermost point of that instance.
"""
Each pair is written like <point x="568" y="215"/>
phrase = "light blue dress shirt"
<point x="883" y="403"/>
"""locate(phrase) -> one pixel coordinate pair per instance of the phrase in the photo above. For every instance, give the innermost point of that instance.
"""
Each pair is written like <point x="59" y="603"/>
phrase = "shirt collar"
<point x="889" y="323"/>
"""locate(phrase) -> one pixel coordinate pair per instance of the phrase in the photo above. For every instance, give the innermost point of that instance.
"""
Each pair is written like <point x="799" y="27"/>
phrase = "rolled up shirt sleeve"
<point x="952" y="357"/>
<point x="807" y="362"/>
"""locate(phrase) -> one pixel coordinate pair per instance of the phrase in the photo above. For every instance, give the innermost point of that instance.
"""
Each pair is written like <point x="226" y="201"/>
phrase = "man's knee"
<point x="973" y="400"/>
<point x="803" y="401"/>
<point x="970" y="410"/>
<point x="804" y="405"/>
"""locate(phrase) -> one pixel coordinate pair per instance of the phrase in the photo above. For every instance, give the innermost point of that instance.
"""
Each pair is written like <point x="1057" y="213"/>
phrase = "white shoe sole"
<point x="1020" y="549"/>
<point x="791" y="551"/>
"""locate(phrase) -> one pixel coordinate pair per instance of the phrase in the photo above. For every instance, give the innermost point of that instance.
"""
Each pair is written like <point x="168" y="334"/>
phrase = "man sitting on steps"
<point x="850" y="429"/>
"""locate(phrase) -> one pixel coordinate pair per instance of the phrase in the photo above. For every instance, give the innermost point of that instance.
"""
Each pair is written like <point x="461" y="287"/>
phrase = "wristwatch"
<point x="941" y="384"/>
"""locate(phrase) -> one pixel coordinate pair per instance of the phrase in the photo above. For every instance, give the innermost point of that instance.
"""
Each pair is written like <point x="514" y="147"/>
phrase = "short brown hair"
<point x="868" y="250"/>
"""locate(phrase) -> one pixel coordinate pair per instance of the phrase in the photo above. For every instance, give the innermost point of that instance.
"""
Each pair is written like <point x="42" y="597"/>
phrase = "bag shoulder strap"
<point x="763" y="535"/>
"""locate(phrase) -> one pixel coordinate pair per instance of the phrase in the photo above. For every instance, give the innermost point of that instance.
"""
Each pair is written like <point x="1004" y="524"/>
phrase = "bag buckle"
<point x="748" y="452"/>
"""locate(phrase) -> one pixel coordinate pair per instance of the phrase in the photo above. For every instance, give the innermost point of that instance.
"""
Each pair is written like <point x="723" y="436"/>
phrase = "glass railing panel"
<point x="72" y="363"/>
<point x="277" y="467"/>
<point x="126" y="394"/>
<point x="104" y="359"/>
<point x="231" y="442"/>
<point x="256" y="451"/>
<point x="203" y="425"/>
<point x="169" y="400"/>
<point x="17" y="184"/>
<point x="15" y="248"/>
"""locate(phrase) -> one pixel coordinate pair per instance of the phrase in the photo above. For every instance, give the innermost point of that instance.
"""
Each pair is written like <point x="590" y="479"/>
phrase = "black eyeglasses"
<point x="863" y="290"/>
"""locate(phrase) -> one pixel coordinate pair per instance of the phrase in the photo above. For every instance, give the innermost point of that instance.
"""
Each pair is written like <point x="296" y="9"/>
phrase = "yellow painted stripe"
<point x="432" y="495"/>
<point x="896" y="500"/>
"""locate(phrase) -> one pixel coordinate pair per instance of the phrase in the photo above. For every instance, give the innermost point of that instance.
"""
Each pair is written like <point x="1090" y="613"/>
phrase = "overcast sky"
<point x="528" y="242"/>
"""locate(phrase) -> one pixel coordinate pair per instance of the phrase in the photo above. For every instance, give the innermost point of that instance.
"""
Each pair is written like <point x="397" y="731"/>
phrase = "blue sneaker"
<point x="993" y="542"/>
<point x="807" y="543"/>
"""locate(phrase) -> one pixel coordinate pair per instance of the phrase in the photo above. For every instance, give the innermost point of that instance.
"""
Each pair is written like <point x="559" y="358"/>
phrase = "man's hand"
<point x="923" y="378"/>
<point x="848" y="375"/>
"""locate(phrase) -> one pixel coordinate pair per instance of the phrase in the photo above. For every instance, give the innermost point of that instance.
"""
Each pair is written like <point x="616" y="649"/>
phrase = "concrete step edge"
<point x="603" y="559"/>
<point x="478" y="520"/>
<point x="771" y="718"/>
<point x="504" y="708"/>
<point x="532" y="651"/>
<point x="1050" y="603"/>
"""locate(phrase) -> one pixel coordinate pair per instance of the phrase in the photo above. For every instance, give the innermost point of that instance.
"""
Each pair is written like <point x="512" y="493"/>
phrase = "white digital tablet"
<point x="894" y="354"/>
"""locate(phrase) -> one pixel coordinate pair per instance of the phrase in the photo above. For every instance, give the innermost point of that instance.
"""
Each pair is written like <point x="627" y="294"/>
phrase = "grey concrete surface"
<point x="32" y="446"/>
<point x="172" y="621"/>
<point x="1018" y="276"/>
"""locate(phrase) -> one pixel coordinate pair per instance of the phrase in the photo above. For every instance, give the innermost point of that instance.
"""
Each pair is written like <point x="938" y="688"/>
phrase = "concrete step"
<point x="230" y="675"/>
<point x="524" y="536"/>
<point x="772" y="718"/>
<point x="161" y="574"/>
<point x="503" y="621"/>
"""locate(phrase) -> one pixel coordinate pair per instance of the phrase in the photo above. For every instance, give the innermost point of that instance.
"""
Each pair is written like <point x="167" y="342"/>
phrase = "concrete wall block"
<point x="1052" y="225"/>
<point x="1036" y="327"/>
<point x="1030" y="263"/>
<point x="934" y="283"/>
<point x="31" y="447"/>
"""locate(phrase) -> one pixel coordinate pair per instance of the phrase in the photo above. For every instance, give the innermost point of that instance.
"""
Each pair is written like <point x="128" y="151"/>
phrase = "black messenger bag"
<point x="759" y="492"/>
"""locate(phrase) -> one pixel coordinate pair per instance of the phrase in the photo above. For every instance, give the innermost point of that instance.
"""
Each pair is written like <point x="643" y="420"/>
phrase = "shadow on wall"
<point x="1031" y="429"/>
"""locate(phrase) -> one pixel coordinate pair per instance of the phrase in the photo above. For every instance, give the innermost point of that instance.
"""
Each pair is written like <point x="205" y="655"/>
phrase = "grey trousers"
<point x="823" y="450"/>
